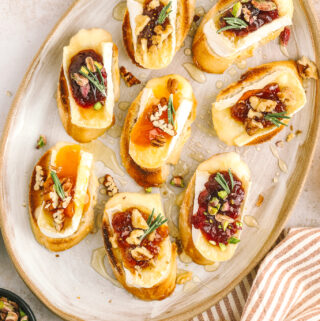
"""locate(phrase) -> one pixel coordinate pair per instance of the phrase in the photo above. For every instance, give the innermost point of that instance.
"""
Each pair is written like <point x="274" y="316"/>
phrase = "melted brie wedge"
<point x="101" y="42"/>
<point x="152" y="275"/>
<point x="232" y="131"/>
<point x="154" y="157"/>
<point x="225" y="47"/>
<point x="220" y="162"/>
<point x="82" y="172"/>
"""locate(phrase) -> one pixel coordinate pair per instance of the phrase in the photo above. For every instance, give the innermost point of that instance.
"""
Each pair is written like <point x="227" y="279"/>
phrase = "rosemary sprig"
<point x="276" y="118"/>
<point x="171" y="110"/>
<point x="57" y="185"/>
<point x="231" y="179"/>
<point x="94" y="80"/>
<point x="222" y="182"/>
<point x="164" y="13"/>
<point x="233" y="23"/>
<point x="153" y="224"/>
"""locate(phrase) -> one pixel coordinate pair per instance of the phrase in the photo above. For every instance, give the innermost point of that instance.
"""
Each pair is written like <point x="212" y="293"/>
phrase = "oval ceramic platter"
<point x="68" y="284"/>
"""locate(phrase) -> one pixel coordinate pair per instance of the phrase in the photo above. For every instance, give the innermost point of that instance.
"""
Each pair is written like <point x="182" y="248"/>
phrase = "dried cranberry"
<point x="285" y="36"/>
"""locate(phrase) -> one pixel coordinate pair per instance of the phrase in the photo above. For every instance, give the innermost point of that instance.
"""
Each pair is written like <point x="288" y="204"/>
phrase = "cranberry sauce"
<point x="86" y="96"/>
<point x="254" y="18"/>
<point x="270" y="92"/>
<point x="215" y="202"/>
<point x="148" y="32"/>
<point x="122" y="225"/>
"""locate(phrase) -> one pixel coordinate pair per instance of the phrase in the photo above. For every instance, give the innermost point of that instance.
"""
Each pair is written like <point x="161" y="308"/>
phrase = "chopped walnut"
<point x="110" y="185"/>
<point x="183" y="277"/>
<point x="141" y="22"/>
<point x="260" y="200"/>
<point x="262" y="105"/>
<point x="58" y="219"/>
<point x="129" y="79"/>
<point x="307" y="68"/>
<point x="138" y="221"/>
<point x="39" y="178"/>
<point x="153" y="4"/>
<point x="252" y="126"/>
<point x="172" y="85"/>
<point x="286" y="95"/>
<point x="160" y="37"/>
<point x="141" y="254"/>
<point x="254" y="114"/>
<point x="134" y="237"/>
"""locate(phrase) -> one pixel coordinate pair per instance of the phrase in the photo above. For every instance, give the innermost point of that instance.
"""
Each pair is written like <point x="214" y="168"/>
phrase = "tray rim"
<point x="285" y="212"/>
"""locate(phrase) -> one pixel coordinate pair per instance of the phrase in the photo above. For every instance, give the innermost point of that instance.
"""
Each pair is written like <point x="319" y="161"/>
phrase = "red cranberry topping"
<point x="86" y="96"/>
<point x="285" y="36"/>
<point x="230" y="206"/>
<point x="254" y="17"/>
<point x="122" y="225"/>
<point x="240" y="110"/>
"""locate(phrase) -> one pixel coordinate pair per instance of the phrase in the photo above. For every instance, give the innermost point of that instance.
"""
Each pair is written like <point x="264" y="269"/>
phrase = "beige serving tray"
<point x="68" y="284"/>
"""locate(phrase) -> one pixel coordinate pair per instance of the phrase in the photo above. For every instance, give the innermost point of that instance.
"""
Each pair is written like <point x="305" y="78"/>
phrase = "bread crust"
<point x="251" y="76"/>
<point x="207" y="60"/>
<point x="87" y="221"/>
<point x="157" y="176"/>
<point x="159" y="291"/>
<point x="186" y="212"/>
<point x="184" y="20"/>
<point x="84" y="134"/>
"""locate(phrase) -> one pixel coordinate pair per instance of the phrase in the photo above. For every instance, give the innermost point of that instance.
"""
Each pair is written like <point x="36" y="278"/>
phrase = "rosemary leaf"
<point x="222" y="182"/>
<point x="153" y="225"/>
<point x="233" y="23"/>
<point x="231" y="179"/>
<point x="164" y="13"/>
<point x="171" y="110"/>
<point x="57" y="185"/>
<point x="94" y="80"/>
<point x="276" y="118"/>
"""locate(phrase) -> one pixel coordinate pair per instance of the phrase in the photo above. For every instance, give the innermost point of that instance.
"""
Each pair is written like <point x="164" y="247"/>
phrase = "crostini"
<point x="138" y="246"/>
<point x="62" y="196"/>
<point x="259" y="105"/>
<point x="212" y="209"/>
<point x="157" y="126"/>
<point x="154" y="30"/>
<point x="88" y="84"/>
<point x="231" y="31"/>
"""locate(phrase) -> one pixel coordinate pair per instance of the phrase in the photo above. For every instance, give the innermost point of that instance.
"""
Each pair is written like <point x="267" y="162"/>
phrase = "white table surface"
<point x="24" y="25"/>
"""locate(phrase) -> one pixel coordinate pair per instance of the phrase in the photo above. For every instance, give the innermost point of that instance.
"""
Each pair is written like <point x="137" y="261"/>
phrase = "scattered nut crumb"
<point x="57" y="255"/>
<point x="298" y="132"/>
<point x="129" y="79"/>
<point x="260" y="200"/>
<point x="9" y="93"/>
<point x="24" y="205"/>
<point x="275" y="180"/>
<point x="110" y="301"/>
<point x="179" y="246"/>
<point x="291" y="127"/>
<point x="42" y="141"/>
<point x="177" y="181"/>
<point x="280" y="143"/>
<point x="78" y="297"/>
<point x="290" y="137"/>
<point x="110" y="185"/>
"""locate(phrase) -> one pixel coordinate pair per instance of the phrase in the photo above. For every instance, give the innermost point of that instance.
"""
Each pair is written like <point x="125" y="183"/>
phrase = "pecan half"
<point x="172" y="85"/>
<point x="90" y="64"/>
<point x="129" y="79"/>
<point x="159" y="141"/>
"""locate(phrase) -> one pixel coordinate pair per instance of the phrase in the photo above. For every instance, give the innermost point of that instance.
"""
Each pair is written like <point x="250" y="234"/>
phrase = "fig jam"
<point x="270" y="92"/>
<point x="258" y="18"/>
<point x="210" y="227"/>
<point x="122" y="225"/>
<point x="94" y="95"/>
<point x="148" y="31"/>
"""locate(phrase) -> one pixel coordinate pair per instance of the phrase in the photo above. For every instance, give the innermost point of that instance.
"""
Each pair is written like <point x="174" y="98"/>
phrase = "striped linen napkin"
<point x="286" y="287"/>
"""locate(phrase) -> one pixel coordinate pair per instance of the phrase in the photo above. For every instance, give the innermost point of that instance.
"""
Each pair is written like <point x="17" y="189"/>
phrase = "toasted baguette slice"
<point x="42" y="222"/>
<point x="146" y="163"/>
<point x="157" y="279"/>
<point x="214" y="53"/>
<point x="285" y="74"/>
<point x="86" y="124"/>
<point x="194" y="242"/>
<point x="160" y="54"/>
